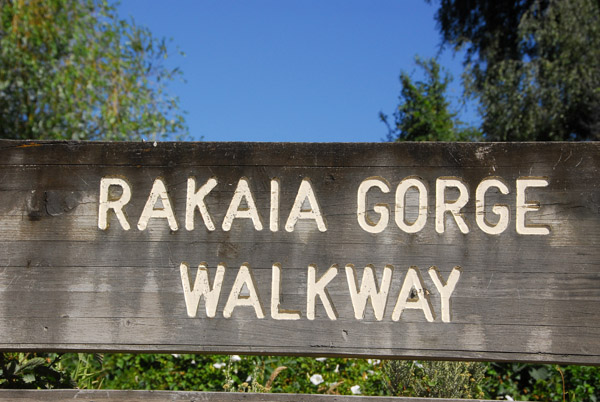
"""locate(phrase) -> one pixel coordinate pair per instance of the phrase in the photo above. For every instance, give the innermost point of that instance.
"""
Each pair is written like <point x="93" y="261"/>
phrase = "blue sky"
<point x="291" y="70"/>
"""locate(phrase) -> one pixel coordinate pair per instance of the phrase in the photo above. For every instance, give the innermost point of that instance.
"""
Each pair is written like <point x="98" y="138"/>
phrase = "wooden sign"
<point x="429" y="250"/>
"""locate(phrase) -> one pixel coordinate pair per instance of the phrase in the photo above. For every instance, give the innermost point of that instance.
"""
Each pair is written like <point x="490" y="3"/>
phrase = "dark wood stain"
<point x="66" y="285"/>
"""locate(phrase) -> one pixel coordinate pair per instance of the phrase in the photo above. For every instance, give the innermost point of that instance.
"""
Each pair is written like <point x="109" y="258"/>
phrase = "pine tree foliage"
<point x="534" y="65"/>
<point x="423" y="113"/>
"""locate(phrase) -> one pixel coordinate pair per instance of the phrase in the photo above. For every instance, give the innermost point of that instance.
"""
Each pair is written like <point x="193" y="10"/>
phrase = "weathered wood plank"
<point x="67" y="284"/>
<point x="138" y="396"/>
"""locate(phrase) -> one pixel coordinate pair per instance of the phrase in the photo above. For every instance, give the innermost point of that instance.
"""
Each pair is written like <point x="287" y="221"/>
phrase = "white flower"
<point x="508" y="398"/>
<point x="219" y="365"/>
<point x="355" y="389"/>
<point x="175" y="355"/>
<point x="337" y="369"/>
<point x="374" y="362"/>
<point x="321" y="359"/>
<point x="316" y="379"/>
<point x="248" y="379"/>
<point x="235" y="358"/>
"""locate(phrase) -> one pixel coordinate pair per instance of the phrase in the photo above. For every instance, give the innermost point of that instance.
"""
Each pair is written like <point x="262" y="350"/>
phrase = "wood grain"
<point x="67" y="285"/>
<point x="138" y="396"/>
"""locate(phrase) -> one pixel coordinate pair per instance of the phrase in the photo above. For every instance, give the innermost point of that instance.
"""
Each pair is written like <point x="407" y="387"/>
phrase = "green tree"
<point x="72" y="69"/>
<point x="534" y="65"/>
<point x="423" y="113"/>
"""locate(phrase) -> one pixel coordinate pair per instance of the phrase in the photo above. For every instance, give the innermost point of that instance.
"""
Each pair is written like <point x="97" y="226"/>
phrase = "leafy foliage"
<point x="437" y="379"/>
<point x="51" y="370"/>
<point x="534" y="65"/>
<point x="71" y="69"/>
<point x="243" y="374"/>
<point x="343" y="376"/>
<point x="542" y="382"/>
<point x="85" y="369"/>
<point x="299" y="375"/>
<point x="423" y="113"/>
<point x="24" y="370"/>
<point x="163" y="372"/>
<point x="488" y="29"/>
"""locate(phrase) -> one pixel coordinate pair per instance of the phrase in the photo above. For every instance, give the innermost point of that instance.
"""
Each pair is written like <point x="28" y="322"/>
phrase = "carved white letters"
<point x="243" y="205"/>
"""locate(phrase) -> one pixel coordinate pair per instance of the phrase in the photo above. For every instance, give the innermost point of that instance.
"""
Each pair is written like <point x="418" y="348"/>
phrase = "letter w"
<point x="201" y="288"/>
<point x="368" y="290"/>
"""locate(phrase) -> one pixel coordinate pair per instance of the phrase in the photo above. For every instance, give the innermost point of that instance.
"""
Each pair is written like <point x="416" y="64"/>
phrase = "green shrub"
<point x="437" y="379"/>
<point x="543" y="382"/>
<point x="50" y="370"/>
<point x="535" y="382"/>
<point x="243" y="373"/>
